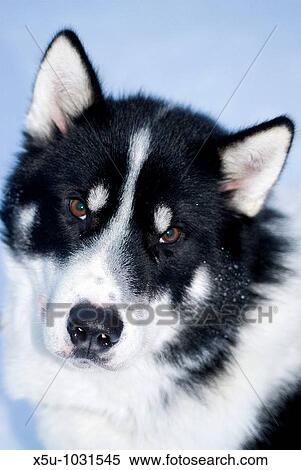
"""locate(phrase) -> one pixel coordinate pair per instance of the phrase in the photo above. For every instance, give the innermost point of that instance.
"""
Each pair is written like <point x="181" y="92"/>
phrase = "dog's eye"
<point x="78" y="209"/>
<point x="172" y="235"/>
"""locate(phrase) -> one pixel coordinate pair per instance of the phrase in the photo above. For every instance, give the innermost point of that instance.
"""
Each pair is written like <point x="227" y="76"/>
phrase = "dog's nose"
<point x="94" y="329"/>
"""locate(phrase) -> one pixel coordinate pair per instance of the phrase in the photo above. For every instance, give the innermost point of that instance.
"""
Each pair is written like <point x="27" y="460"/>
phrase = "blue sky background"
<point x="191" y="51"/>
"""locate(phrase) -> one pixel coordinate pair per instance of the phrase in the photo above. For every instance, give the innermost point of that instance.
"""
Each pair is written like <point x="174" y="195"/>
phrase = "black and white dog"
<point x="146" y="276"/>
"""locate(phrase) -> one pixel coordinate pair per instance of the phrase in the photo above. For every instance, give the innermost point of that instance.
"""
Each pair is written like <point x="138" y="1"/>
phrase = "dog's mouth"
<point x="81" y="355"/>
<point x="81" y="359"/>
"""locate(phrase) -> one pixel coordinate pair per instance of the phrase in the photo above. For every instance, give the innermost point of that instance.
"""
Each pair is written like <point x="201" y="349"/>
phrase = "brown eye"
<point x="78" y="209"/>
<point x="171" y="235"/>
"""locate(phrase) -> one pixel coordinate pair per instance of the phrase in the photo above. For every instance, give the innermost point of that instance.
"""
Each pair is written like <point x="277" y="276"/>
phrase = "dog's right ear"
<point x="66" y="85"/>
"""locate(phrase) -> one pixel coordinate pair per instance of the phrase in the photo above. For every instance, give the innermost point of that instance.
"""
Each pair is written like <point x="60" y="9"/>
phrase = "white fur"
<point x="93" y="408"/>
<point x="162" y="218"/>
<point x="97" y="198"/>
<point x="252" y="166"/>
<point x="200" y="286"/>
<point x="25" y="220"/>
<point x="62" y="90"/>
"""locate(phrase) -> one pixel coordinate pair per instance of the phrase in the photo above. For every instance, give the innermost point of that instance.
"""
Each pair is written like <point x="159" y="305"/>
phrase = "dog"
<point x="153" y="294"/>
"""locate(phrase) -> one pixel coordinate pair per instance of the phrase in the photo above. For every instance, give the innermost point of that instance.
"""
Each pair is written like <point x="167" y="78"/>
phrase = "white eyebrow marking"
<point x="162" y="218"/>
<point x="97" y="198"/>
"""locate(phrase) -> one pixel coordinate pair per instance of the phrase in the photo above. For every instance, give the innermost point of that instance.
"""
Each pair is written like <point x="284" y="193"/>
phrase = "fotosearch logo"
<point x="163" y="314"/>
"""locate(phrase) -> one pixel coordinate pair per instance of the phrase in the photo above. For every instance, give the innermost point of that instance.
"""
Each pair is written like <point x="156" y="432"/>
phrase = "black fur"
<point x="236" y="249"/>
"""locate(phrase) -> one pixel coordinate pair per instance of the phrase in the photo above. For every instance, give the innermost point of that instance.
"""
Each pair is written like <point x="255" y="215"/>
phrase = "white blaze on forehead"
<point x="97" y="198"/>
<point x="162" y="218"/>
<point x="138" y="153"/>
<point x="200" y="285"/>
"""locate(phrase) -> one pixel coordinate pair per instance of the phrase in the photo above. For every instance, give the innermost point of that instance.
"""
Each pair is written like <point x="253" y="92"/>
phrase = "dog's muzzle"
<point x="94" y="330"/>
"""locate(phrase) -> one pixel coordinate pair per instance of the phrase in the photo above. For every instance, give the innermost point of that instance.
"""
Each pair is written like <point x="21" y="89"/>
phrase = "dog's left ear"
<point x="252" y="161"/>
<point x="66" y="85"/>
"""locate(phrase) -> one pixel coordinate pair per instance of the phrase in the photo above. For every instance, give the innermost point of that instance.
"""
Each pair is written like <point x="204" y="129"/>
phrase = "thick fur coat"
<point x="157" y="212"/>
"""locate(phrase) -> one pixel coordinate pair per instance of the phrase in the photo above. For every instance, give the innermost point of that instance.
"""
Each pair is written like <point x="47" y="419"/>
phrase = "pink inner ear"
<point x="60" y="120"/>
<point x="230" y="186"/>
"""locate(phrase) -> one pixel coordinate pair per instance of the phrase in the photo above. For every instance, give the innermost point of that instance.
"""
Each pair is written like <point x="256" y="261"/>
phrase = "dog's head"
<point x="131" y="215"/>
